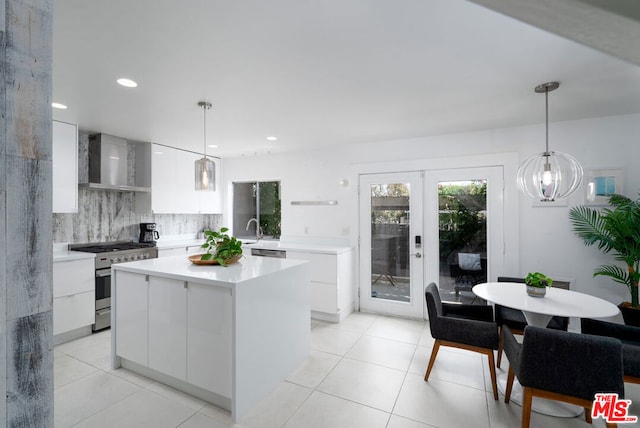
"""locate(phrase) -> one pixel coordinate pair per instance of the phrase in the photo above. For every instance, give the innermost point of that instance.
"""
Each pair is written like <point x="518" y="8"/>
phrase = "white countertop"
<point x="180" y="268"/>
<point x="64" y="256"/>
<point x="300" y="247"/>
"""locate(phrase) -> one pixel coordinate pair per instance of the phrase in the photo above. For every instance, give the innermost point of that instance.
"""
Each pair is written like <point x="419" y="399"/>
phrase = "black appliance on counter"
<point x="107" y="254"/>
<point x="148" y="233"/>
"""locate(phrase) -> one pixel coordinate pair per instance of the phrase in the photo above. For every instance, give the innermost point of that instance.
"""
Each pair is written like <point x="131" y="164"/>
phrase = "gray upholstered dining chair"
<point x="469" y="327"/>
<point x="629" y="336"/>
<point x="514" y="318"/>
<point x="563" y="366"/>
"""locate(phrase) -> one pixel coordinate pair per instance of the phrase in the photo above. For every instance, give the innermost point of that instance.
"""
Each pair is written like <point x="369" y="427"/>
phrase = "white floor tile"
<point x="325" y="411"/>
<point x="132" y="377"/>
<point x="457" y="366"/>
<point x="200" y="420"/>
<point x="144" y="409"/>
<point x="176" y="396"/>
<point x="85" y="397"/>
<point x="333" y="341"/>
<point x="358" y="322"/>
<point x="315" y="368"/>
<point x="216" y="413"/>
<point x="399" y="329"/>
<point x="384" y="352"/>
<point x="67" y="369"/>
<point x="365" y="383"/>
<point x="400" y="422"/>
<point x="94" y="349"/>
<point x="442" y="404"/>
<point x="277" y="407"/>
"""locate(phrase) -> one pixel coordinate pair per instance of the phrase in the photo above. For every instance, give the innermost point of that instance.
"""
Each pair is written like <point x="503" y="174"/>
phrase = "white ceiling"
<point x="317" y="73"/>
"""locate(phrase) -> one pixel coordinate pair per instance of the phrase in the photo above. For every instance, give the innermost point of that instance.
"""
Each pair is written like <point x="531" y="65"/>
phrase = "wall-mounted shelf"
<point x="314" y="202"/>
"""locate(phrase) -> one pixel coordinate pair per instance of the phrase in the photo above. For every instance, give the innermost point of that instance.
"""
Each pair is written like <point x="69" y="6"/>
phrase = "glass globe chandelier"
<point x="205" y="167"/>
<point x="548" y="176"/>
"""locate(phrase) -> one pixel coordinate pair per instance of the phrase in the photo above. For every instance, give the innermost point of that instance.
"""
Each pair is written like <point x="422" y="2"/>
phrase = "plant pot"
<point x="630" y="314"/>
<point x="536" y="291"/>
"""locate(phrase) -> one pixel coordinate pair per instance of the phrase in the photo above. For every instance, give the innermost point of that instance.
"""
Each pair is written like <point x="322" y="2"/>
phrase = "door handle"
<point x="418" y="255"/>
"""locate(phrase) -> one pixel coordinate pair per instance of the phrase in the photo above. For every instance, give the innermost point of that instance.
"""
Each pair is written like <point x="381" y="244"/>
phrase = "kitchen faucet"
<point x="259" y="233"/>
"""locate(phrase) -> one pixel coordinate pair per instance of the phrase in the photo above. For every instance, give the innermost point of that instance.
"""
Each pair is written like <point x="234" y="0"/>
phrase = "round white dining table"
<point x="538" y="311"/>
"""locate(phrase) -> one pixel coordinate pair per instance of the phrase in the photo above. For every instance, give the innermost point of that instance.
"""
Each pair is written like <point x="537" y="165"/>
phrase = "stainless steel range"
<point x="107" y="254"/>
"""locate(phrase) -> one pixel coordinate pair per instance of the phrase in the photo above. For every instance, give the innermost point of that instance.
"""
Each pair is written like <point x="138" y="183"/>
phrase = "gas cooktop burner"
<point x="111" y="246"/>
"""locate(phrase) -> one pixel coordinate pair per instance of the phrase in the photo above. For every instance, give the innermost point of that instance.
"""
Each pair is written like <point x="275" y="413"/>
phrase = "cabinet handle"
<point x="185" y="284"/>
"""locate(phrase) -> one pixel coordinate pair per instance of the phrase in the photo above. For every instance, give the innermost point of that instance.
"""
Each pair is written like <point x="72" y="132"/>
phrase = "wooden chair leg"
<point x="492" y="370"/>
<point x="510" y="378"/>
<point x="434" y="352"/>
<point x="527" y="397"/>
<point x="499" y="346"/>
<point x="587" y="415"/>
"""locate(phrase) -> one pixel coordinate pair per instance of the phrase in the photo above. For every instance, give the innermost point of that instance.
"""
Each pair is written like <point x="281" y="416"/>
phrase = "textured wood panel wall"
<point x="26" y="355"/>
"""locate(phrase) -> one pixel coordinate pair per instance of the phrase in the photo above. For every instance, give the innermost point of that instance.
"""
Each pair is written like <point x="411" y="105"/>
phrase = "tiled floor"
<point x="364" y="372"/>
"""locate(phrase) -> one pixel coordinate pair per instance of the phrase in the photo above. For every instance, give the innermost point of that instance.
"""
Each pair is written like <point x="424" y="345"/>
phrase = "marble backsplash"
<point x="105" y="215"/>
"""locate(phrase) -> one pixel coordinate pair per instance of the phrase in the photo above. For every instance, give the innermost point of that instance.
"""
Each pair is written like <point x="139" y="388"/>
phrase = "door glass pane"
<point x="462" y="208"/>
<point x="244" y="209"/>
<point x="390" y="272"/>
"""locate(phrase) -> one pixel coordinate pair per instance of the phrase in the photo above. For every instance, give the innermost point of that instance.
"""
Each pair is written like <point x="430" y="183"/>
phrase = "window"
<point x="258" y="201"/>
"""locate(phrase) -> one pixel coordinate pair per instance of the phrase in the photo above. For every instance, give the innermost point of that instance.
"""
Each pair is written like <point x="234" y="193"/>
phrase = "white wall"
<point x="545" y="240"/>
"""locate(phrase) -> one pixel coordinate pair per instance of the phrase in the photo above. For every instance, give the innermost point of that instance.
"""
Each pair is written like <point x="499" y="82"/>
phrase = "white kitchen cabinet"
<point x="209" y="342"/>
<point x="173" y="188"/>
<point x="65" y="167"/>
<point x="177" y="251"/>
<point x="167" y="326"/>
<point x="132" y="315"/>
<point x="163" y="179"/>
<point x="331" y="277"/>
<point x="73" y="295"/>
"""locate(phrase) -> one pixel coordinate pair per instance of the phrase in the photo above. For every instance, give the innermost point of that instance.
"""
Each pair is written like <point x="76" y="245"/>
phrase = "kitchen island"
<point x="227" y="335"/>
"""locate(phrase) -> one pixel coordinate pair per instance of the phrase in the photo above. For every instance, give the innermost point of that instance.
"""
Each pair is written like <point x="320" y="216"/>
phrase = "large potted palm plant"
<point x="615" y="230"/>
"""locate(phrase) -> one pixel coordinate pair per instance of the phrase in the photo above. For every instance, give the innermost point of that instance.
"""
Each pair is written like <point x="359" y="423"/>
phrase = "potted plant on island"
<point x="616" y="231"/>
<point x="537" y="284"/>
<point x="221" y="248"/>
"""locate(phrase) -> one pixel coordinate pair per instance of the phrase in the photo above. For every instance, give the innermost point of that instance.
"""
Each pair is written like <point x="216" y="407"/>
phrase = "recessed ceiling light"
<point x="127" y="82"/>
<point x="58" y="105"/>
<point x="272" y="138"/>
<point x="213" y="146"/>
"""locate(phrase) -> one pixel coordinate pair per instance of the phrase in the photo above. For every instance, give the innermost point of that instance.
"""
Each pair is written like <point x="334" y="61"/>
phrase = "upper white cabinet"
<point x="65" y="167"/>
<point x="173" y="189"/>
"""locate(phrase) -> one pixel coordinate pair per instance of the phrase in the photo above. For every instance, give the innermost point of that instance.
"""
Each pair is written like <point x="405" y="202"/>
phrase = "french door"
<point x="442" y="226"/>
<point x="391" y="262"/>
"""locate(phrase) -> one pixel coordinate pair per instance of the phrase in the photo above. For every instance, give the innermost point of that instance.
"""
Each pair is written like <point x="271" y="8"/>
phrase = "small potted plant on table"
<point x="221" y="248"/>
<point x="537" y="284"/>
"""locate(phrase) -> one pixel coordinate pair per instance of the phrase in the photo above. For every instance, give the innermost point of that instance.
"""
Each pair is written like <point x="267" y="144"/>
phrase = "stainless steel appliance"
<point x="265" y="252"/>
<point x="148" y="233"/>
<point x="107" y="254"/>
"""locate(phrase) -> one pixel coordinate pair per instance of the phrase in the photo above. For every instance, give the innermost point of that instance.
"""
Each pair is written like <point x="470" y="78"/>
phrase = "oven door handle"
<point x="101" y="273"/>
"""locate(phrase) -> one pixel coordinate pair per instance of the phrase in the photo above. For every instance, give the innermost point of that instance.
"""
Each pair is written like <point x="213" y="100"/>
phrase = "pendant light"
<point x="548" y="176"/>
<point x="205" y="167"/>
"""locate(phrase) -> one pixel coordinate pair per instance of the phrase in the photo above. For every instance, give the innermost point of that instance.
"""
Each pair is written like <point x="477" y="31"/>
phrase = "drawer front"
<point x="324" y="267"/>
<point x="73" y="277"/>
<point x="324" y="297"/>
<point x="73" y="312"/>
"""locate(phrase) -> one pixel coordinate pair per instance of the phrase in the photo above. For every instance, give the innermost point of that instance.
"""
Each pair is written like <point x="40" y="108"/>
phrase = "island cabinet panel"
<point x="131" y="304"/>
<point x="209" y="338"/>
<point x="167" y="326"/>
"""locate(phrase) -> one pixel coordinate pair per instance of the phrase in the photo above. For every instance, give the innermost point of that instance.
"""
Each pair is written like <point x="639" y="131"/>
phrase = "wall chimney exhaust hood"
<point x="116" y="164"/>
